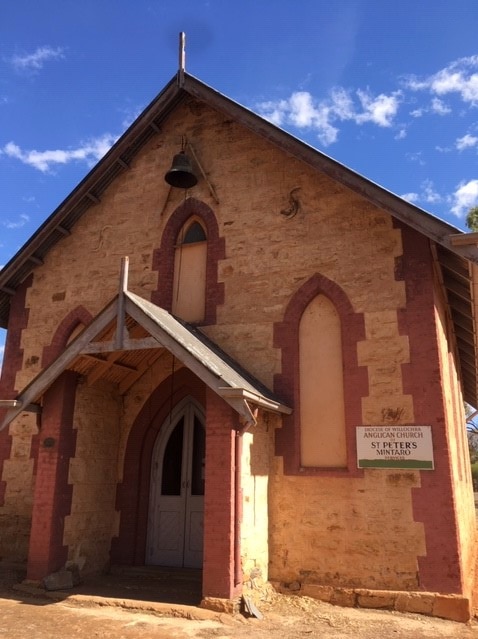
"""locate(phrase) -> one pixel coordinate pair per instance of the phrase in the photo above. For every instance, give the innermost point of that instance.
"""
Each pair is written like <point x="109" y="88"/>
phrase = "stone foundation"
<point x="452" y="607"/>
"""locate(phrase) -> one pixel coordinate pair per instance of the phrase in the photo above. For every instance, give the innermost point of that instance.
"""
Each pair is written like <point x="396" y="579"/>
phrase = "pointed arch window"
<point x="322" y="407"/>
<point x="190" y="262"/>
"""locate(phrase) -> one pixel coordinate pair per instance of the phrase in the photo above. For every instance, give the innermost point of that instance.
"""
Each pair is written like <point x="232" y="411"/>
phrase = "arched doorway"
<point x="176" y="503"/>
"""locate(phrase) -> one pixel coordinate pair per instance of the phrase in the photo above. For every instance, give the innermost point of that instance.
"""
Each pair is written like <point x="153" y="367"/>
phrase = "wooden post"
<point x="120" y="319"/>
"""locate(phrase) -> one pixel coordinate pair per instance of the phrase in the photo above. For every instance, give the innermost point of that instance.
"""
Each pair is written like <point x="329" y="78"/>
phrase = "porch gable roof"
<point x="183" y="341"/>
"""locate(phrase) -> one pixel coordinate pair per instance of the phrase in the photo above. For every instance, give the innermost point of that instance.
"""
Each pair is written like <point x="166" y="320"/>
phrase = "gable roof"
<point x="455" y="253"/>
<point x="132" y="330"/>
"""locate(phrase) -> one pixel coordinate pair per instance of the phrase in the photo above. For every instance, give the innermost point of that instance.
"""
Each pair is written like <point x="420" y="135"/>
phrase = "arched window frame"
<point x="321" y="387"/>
<point x="190" y="272"/>
<point x="163" y="257"/>
<point x="286" y="384"/>
<point x="76" y="318"/>
<point x="186" y="229"/>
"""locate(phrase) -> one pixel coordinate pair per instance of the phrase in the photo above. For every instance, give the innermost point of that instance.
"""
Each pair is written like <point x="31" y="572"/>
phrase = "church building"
<point x="226" y="351"/>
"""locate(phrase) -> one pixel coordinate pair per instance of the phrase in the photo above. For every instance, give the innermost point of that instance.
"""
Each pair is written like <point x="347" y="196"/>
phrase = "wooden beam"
<point x="99" y="360"/>
<point x="465" y="336"/>
<point x="122" y="163"/>
<point x="459" y="304"/>
<point x="44" y="379"/>
<point x="121" y="330"/>
<point x="143" y="344"/>
<point x="8" y="290"/>
<point x="464" y="239"/>
<point x="92" y="197"/>
<point x="453" y="263"/>
<point x="457" y="287"/>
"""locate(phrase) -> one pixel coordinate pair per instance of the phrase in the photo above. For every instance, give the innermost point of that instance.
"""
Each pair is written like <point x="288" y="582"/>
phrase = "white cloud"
<point x="411" y="197"/>
<point x="380" y="110"/>
<point x="466" y="142"/>
<point x="22" y="220"/>
<point x="130" y="115"/>
<point x="36" y="60"/>
<point x="2" y="351"/>
<point x="459" y="77"/>
<point x="439" y="107"/>
<point x="301" y="110"/>
<point x="465" y="196"/>
<point x="90" y="152"/>
<point x="416" y="157"/>
<point x="429" y="194"/>
<point x="417" y="113"/>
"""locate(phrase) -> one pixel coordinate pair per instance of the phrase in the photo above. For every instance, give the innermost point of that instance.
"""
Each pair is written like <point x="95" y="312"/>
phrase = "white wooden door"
<point x="175" y="526"/>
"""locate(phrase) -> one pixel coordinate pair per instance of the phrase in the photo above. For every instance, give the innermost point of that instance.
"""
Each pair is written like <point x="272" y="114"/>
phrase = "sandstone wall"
<point x="93" y="474"/>
<point x="18" y="474"/>
<point x="256" y="468"/>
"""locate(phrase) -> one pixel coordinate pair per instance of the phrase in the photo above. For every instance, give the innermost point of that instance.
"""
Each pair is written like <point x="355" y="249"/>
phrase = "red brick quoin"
<point x="53" y="493"/>
<point x="440" y="569"/>
<point x="52" y="450"/>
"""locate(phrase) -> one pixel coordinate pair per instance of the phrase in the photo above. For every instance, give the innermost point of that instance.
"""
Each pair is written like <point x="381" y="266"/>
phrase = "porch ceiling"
<point x="122" y="367"/>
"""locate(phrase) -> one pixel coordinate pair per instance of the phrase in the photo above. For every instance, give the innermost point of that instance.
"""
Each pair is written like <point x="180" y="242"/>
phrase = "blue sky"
<point x="389" y="89"/>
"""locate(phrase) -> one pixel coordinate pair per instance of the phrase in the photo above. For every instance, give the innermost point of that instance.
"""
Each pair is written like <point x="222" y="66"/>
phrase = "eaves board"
<point x="457" y="279"/>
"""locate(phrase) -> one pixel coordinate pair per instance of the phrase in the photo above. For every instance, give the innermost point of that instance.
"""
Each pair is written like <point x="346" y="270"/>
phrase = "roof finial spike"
<point x="182" y="58"/>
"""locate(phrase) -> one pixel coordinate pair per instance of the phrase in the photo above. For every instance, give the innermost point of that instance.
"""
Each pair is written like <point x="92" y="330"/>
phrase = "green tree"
<point x="472" y="219"/>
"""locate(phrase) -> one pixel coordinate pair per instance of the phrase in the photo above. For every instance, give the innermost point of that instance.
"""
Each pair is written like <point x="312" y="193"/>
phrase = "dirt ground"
<point x="24" y="616"/>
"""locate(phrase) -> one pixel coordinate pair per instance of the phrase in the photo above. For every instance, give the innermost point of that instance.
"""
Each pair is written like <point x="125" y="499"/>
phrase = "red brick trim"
<point x="163" y="257"/>
<point x="12" y="363"/>
<point x="440" y="569"/>
<point x="219" y="499"/>
<point x="69" y="323"/>
<point x="53" y="493"/>
<point x="286" y="384"/>
<point x="132" y="496"/>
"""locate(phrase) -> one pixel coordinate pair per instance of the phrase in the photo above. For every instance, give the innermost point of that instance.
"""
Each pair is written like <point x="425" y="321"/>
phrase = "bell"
<point x="181" y="174"/>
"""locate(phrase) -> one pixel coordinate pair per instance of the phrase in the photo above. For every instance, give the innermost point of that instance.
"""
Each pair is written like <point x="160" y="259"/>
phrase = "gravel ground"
<point x="23" y="616"/>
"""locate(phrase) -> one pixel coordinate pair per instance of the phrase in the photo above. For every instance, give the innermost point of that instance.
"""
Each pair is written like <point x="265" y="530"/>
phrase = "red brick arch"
<point x="76" y="317"/>
<point x="132" y="497"/>
<point x="286" y="384"/>
<point x="163" y="257"/>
